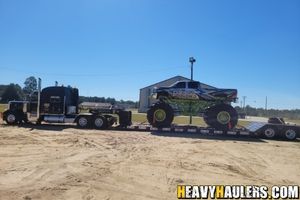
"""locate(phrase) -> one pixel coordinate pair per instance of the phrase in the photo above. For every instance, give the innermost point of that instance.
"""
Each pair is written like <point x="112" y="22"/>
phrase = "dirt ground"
<point x="62" y="162"/>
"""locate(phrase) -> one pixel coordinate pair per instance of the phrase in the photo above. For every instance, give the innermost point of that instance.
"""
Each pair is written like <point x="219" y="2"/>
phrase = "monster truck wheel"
<point x="11" y="118"/>
<point x="83" y="122"/>
<point x="100" y="122"/>
<point x="290" y="134"/>
<point x="222" y="117"/>
<point x="160" y="115"/>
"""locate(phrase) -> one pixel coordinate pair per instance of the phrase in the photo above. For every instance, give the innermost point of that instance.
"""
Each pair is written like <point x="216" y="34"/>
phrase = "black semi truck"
<point x="59" y="104"/>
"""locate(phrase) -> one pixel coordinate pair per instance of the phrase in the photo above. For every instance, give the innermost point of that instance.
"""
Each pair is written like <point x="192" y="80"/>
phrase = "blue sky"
<point x="113" y="48"/>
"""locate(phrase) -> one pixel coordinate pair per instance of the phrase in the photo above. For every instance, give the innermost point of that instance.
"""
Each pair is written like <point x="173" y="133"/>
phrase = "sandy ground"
<point x="62" y="162"/>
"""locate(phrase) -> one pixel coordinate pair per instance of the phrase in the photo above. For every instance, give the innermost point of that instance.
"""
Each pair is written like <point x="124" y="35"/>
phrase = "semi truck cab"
<point x="59" y="104"/>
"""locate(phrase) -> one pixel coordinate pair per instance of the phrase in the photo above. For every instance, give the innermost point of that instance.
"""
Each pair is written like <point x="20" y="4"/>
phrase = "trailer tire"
<point x="83" y="122"/>
<point x="290" y="134"/>
<point x="100" y="122"/>
<point x="269" y="132"/>
<point x="160" y="115"/>
<point x="11" y="118"/>
<point x="222" y="117"/>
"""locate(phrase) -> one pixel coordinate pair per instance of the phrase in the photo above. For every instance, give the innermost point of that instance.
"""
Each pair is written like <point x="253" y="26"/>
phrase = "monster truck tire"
<point x="160" y="115"/>
<point x="221" y="117"/>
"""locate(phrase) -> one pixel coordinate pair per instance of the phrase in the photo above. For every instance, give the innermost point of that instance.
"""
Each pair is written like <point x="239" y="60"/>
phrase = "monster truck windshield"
<point x="186" y="84"/>
<point x="193" y="85"/>
<point x="179" y="85"/>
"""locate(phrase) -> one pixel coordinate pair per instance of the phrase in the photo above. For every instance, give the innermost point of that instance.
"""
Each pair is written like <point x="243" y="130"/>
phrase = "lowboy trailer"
<point x="267" y="130"/>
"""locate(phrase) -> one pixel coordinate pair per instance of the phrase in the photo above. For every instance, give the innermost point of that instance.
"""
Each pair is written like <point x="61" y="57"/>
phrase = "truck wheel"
<point x="160" y="115"/>
<point x="83" y="122"/>
<point x="11" y="118"/>
<point x="290" y="134"/>
<point x="269" y="132"/>
<point x="100" y="122"/>
<point x="221" y="117"/>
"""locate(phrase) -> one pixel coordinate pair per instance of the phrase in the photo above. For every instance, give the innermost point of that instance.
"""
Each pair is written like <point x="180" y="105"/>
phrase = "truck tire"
<point x="221" y="117"/>
<point x="290" y="133"/>
<point x="11" y="118"/>
<point x="160" y="115"/>
<point x="100" y="122"/>
<point x="269" y="132"/>
<point x="83" y="122"/>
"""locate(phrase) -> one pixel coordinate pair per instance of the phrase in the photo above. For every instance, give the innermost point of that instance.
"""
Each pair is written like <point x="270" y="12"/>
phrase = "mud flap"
<point x="124" y="118"/>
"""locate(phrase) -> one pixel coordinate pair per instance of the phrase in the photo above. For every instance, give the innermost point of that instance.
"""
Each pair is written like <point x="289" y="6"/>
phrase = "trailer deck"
<point x="253" y="129"/>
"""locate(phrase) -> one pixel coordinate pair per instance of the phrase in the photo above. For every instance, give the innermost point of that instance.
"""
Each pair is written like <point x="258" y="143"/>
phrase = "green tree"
<point x="30" y="85"/>
<point x="12" y="92"/>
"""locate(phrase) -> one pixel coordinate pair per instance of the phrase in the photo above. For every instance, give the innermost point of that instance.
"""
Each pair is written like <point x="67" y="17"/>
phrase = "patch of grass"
<point x="293" y="121"/>
<point x="139" y="117"/>
<point x="3" y="107"/>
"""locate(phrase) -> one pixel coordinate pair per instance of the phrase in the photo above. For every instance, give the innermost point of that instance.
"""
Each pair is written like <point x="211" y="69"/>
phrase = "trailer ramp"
<point x="255" y="126"/>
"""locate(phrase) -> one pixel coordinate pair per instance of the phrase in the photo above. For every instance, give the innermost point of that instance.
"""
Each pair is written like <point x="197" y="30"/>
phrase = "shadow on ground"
<point x="47" y="127"/>
<point x="210" y="137"/>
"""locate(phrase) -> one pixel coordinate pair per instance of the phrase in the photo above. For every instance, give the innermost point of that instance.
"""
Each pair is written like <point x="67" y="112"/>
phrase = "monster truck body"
<point x="190" y="98"/>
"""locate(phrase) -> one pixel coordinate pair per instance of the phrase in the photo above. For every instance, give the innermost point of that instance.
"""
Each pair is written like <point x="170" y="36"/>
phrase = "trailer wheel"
<point x="290" y="134"/>
<point x="83" y="122"/>
<point x="269" y="132"/>
<point x="11" y="118"/>
<point x="222" y="117"/>
<point x="160" y="115"/>
<point x="100" y="122"/>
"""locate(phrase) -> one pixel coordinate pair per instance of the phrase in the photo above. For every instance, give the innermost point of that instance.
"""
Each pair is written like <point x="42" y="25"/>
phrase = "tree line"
<point x="260" y="112"/>
<point x="16" y="92"/>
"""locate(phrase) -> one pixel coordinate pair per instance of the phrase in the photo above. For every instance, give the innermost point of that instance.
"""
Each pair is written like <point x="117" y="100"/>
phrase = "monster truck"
<point x="193" y="98"/>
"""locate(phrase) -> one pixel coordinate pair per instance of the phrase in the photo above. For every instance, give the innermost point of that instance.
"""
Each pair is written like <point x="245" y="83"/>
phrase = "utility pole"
<point x="192" y="60"/>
